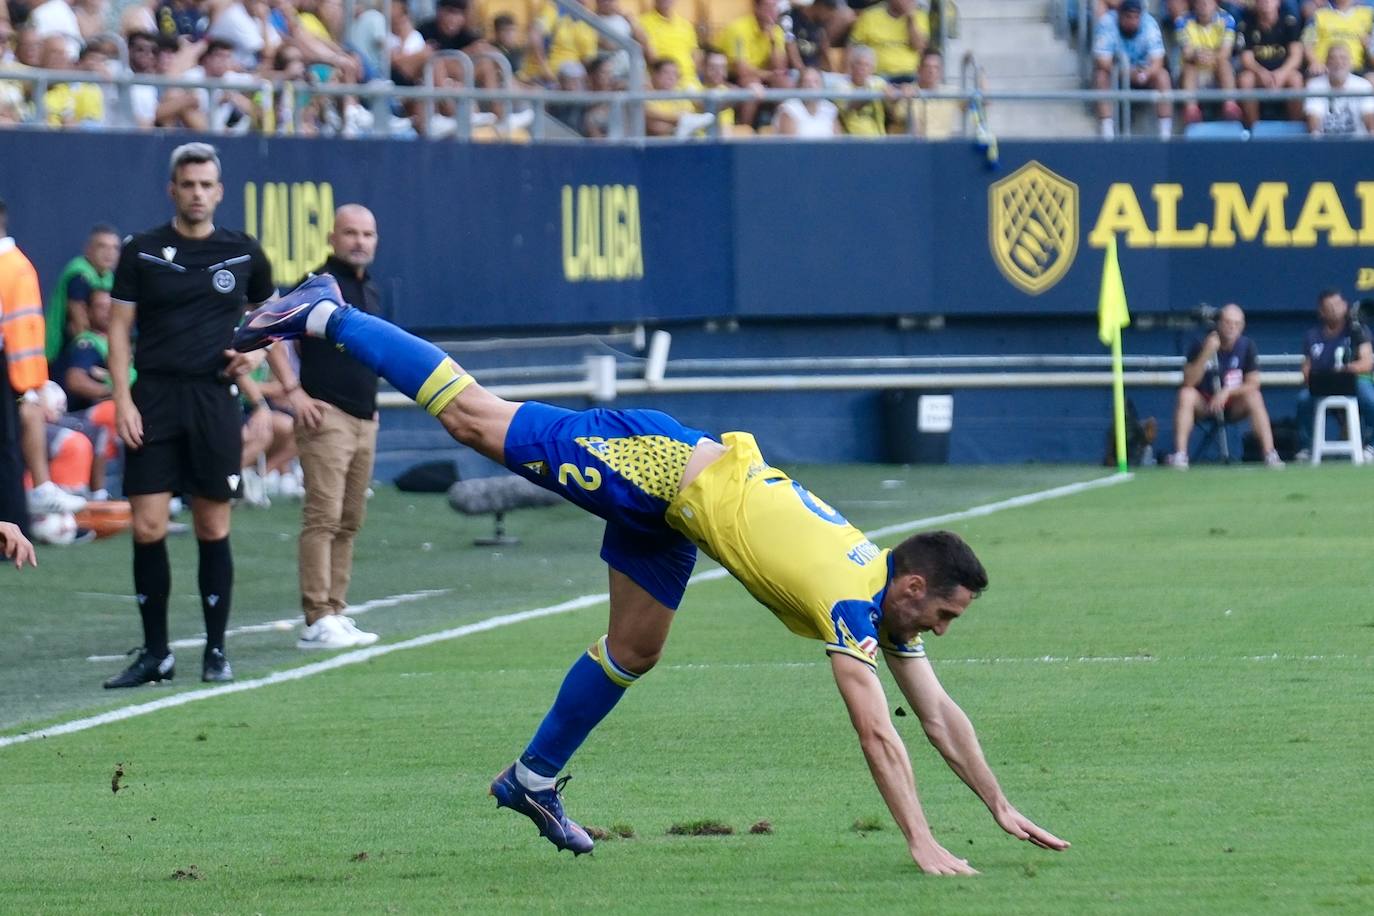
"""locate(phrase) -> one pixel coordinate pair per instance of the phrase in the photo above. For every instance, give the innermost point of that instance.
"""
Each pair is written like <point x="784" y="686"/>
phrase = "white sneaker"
<point x="361" y="637"/>
<point x="327" y="633"/>
<point x="1272" y="459"/>
<point x="1303" y="456"/>
<point x="1179" y="461"/>
<point x="520" y="120"/>
<point x="690" y="123"/>
<point x="1369" y="453"/>
<point x="48" y="497"/>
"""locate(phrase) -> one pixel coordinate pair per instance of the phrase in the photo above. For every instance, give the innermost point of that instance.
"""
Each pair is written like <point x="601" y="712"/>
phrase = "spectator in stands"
<point x="407" y="48"/>
<point x="865" y="117"/>
<point x="1271" y="55"/>
<point x="1221" y="379"/>
<point x="506" y="41"/>
<point x="818" y="26"/>
<point x="810" y="118"/>
<point x="56" y="17"/>
<point x="90" y="17"/>
<point x="143" y="60"/>
<point x="1341" y="22"/>
<point x="182" y="19"/>
<point x="288" y="68"/>
<point x="1336" y="360"/>
<point x="571" y="39"/>
<point x="13" y="94"/>
<point x="73" y="104"/>
<point x="671" y="35"/>
<point x="671" y="117"/>
<point x="757" y="50"/>
<point x="715" y="77"/>
<point x="572" y="77"/>
<point x="936" y="119"/>
<point x="596" y="119"/>
<point x="246" y="27"/>
<point x="1349" y="115"/>
<point x="1133" y="35"/>
<point x="232" y="111"/>
<point x="1207" y="38"/>
<point x="897" y="31"/>
<point x="92" y="270"/>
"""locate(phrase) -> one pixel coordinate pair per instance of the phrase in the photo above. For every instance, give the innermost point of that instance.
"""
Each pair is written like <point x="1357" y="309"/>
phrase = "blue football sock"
<point x="594" y="684"/>
<point x="414" y="366"/>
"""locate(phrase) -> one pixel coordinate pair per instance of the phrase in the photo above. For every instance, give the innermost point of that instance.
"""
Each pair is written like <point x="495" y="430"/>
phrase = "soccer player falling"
<point x="665" y="490"/>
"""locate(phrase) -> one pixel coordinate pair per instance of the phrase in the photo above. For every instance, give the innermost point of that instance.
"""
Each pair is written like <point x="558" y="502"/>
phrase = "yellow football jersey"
<point x="1351" y="28"/>
<point x="800" y="558"/>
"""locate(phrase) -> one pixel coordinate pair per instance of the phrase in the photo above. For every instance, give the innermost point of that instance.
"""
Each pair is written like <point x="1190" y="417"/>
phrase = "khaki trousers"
<point x="337" y="461"/>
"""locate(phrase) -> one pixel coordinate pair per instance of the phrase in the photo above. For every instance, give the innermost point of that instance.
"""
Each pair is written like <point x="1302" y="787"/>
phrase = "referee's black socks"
<point x="216" y="589"/>
<point x="153" y="582"/>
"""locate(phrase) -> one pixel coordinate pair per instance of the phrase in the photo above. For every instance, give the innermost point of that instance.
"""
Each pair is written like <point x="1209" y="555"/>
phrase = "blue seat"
<point x="1268" y="129"/>
<point x="1216" y="130"/>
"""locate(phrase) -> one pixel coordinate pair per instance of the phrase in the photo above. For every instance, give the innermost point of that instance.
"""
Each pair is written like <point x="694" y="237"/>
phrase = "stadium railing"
<point x="598" y="377"/>
<point x="627" y="106"/>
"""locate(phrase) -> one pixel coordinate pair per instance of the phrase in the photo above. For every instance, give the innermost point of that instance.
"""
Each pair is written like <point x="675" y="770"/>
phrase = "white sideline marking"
<point x="492" y="623"/>
<point x="285" y="623"/>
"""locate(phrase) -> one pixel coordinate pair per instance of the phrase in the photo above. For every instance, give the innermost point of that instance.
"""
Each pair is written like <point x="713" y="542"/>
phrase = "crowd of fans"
<point x="1322" y="45"/>
<point x="268" y="54"/>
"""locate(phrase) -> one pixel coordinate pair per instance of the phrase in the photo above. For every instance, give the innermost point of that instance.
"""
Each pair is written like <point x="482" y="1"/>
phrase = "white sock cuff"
<point x="532" y="780"/>
<point x="318" y="318"/>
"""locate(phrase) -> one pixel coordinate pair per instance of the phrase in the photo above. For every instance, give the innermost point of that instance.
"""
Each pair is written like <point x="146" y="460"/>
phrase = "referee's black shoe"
<point x="146" y="669"/>
<point x="215" y="668"/>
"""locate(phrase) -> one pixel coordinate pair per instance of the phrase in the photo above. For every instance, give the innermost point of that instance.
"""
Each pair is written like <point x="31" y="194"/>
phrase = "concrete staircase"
<point x="1014" y="42"/>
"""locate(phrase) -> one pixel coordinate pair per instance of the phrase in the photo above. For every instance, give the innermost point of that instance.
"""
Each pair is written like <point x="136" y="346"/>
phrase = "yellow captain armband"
<point x="445" y="383"/>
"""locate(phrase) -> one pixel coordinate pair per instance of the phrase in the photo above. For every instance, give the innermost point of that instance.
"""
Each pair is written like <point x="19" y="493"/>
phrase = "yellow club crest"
<point x="1033" y="227"/>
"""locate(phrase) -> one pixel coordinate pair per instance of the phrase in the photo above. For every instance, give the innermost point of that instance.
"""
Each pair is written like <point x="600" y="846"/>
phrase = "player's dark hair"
<point x="102" y="229"/>
<point x="502" y="21"/>
<point x="1326" y="294"/>
<point x="943" y="559"/>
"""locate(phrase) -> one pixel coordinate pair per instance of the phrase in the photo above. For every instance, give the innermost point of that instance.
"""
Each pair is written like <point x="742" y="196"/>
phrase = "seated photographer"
<point x="1221" y="379"/>
<point x="1336" y="360"/>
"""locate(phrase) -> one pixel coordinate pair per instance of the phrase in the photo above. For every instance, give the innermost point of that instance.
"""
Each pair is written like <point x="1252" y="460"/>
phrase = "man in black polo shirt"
<point x="1269" y="45"/>
<point x="183" y="288"/>
<point x="1337" y="357"/>
<point x="335" y="403"/>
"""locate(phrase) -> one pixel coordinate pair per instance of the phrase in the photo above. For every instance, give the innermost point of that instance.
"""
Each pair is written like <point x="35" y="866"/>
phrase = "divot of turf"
<point x="360" y="857"/>
<point x="764" y="826"/>
<point x="624" y="831"/>
<point x="190" y="873"/>
<point x="704" y="827"/>
<point x="867" y="825"/>
<point x="118" y="775"/>
<point x="596" y="833"/>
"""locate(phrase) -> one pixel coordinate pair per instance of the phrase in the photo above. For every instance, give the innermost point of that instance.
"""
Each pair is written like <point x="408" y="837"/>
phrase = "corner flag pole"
<point x="1112" y="316"/>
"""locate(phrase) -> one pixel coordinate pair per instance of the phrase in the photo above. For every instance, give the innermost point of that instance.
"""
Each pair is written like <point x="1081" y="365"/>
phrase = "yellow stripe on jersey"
<point x="654" y="464"/>
<point x="445" y="383"/>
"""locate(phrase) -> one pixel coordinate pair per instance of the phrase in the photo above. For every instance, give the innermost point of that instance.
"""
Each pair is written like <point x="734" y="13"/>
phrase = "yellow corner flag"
<point x="1112" y="316"/>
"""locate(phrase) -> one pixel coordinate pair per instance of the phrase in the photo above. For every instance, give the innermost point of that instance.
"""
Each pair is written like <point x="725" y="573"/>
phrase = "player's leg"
<point x="647" y="578"/>
<point x="412" y="365"/>
<point x="152" y="574"/>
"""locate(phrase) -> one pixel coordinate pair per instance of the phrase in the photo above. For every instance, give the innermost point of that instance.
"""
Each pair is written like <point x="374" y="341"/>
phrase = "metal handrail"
<point x="43" y="79"/>
<point x="636" y="75"/>
<point x="463" y="115"/>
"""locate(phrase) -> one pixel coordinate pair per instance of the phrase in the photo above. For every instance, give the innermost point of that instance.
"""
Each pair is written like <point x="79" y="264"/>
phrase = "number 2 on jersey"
<point x="591" y="481"/>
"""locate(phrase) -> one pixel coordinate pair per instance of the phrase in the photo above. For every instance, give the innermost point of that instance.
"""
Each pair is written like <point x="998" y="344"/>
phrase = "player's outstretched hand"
<point x="935" y="859"/>
<point x="15" y="546"/>
<point x="1023" y="828"/>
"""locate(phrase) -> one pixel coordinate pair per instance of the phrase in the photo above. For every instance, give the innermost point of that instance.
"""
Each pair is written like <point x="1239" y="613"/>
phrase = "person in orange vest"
<point x="23" y="338"/>
<point x="20" y="305"/>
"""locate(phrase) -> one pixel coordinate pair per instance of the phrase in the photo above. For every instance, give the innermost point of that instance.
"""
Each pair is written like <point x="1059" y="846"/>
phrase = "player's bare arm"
<point x="890" y="765"/>
<point x="128" y="421"/>
<point x="951" y="733"/>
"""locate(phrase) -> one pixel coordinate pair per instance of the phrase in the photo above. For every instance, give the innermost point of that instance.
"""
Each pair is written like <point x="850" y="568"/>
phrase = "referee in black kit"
<point x="183" y="287"/>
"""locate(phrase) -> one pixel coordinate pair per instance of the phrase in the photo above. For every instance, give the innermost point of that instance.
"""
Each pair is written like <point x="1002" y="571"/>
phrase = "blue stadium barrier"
<point x="1216" y="130"/>
<point x="1269" y="130"/>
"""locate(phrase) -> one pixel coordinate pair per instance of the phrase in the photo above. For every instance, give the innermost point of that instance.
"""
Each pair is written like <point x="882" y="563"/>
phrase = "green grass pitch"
<point x="1175" y="674"/>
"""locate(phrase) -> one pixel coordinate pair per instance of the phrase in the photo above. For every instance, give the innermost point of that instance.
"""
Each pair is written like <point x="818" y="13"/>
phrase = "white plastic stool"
<point x="1351" y="444"/>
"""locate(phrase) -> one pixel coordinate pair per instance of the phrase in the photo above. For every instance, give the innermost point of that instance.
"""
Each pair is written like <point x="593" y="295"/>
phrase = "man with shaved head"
<point x="335" y="405"/>
<point x="1221" y="379"/>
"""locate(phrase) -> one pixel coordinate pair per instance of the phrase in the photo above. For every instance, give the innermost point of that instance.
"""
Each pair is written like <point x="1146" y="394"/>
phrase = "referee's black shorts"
<point x="192" y="438"/>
